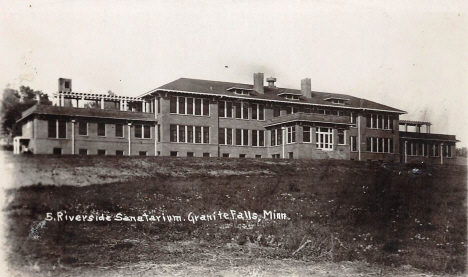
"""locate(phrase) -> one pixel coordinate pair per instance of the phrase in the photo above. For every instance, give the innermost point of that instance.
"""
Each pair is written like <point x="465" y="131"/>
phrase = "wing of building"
<point x="201" y="118"/>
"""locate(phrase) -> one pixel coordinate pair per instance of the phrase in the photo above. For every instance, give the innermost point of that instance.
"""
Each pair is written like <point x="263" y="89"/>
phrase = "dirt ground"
<point x="37" y="184"/>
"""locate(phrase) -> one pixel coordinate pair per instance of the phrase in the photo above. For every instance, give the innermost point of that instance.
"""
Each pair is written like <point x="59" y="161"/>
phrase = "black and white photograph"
<point x="233" y="138"/>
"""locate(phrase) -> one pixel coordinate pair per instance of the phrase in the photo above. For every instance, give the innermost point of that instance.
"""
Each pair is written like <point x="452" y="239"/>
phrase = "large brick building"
<point x="190" y="117"/>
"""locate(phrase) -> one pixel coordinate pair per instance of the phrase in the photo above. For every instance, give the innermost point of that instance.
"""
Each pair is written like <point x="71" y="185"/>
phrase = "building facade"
<point x="199" y="118"/>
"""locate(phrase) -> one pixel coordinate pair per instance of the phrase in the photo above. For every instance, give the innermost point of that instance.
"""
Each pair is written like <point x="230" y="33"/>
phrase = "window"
<point x="159" y="132"/>
<point x="101" y="131"/>
<point x="292" y="110"/>
<point x="206" y="155"/>
<point x="225" y="136"/>
<point x="173" y="104"/>
<point x="242" y="110"/>
<point x="379" y="121"/>
<point x="275" y="156"/>
<point x="119" y="130"/>
<point x="448" y="151"/>
<point x="258" y="138"/>
<point x="341" y="136"/>
<point x="82" y="128"/>
<point x="83" y="151"/>
<point x="291" y="155"/>
<point x="276" y="136"/>
<point x="143" y="131"/>
<point x="242" y="137"/>
<point x="411" y="149"/>
<point x="276" y="111"/>
<point x="291" y="134"/>
<point x="143" y="153"/>
<point x="67" y="84"/>
<point x="101" y="152"/>
<point x="422" y="149"/>
<point x="181" y="133"/>
<point x="307" y="110"/>
<point x="225" y="109"/>
<point x="434" y="149"/>
<point x="62" y="129"/>
<point x="380" y="145"/>
<point x="57" y="129"/>
<point x="190" y="134"/>
<point x="258" y="111"/>
<point x="242" y="155"/>
<point x="198" y="134"/>
<point x="225" y="155"/>
<point x="258" y="156"/>
<point x="206" y="107"/>
<point x="57" y="151"/>
<point x="324" y="138"/>
<point x="119" y="152"/>
<point x="173" y="133"/>
<point x="174" y="153"/>
<point x="189" y="105"/>
<point x="353" y="143"/>
<point x="190" y="154"/>
<point x="307" y="134"/>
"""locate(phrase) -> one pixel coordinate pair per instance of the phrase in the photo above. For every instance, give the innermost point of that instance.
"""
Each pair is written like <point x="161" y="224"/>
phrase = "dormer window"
<point x="336" y="100"/>
<point x="290" y="96"/>
<point x="240" y="91"/>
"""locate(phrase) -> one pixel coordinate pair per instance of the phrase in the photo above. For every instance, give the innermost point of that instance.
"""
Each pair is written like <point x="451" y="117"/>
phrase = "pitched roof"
<point x="271" y="94"/>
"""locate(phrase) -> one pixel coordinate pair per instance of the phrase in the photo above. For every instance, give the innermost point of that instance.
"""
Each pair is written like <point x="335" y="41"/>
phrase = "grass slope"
<point x="339" y="211"/>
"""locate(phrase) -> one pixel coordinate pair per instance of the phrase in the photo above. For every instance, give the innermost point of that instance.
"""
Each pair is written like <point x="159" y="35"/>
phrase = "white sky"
<point x="411" y="56"/>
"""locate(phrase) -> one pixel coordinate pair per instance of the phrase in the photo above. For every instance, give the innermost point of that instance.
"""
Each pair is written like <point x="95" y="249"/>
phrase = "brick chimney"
<point x="65" y="84"/>
<point x="258" y="83"/>
<point x="306" y="88"/>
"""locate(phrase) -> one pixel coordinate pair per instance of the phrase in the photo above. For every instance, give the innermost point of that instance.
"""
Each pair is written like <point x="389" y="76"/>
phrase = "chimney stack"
<point x="306" y="88"/>
<point x="65" y="84"/>
<point x="258" y="83"/>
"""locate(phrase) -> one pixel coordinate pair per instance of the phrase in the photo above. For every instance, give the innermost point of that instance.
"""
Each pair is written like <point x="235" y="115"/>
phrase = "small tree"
<point x="462" y="152"/>
<point x="13" y="103"/>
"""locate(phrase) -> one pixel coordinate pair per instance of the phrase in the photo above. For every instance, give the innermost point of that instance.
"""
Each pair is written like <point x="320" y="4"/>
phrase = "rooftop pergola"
<point x="416" y="124"/>
<point x="81" y="97"/>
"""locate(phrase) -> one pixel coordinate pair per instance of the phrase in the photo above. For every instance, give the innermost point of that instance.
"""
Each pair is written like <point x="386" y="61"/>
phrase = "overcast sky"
<point x="411" y="56"/>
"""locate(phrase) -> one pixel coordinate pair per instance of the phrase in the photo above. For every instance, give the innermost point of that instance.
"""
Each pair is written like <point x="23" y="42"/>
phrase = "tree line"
<point x="13" y="103"/>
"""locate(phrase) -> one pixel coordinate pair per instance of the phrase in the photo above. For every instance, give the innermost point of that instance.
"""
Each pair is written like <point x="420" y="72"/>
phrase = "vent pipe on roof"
<point x="258" y="83"/>
<point x="306" y="88"/>
<point x="271" y="82"/>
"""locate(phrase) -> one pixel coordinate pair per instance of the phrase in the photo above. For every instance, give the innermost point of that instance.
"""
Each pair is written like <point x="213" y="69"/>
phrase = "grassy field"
<point x="341" y="217"/>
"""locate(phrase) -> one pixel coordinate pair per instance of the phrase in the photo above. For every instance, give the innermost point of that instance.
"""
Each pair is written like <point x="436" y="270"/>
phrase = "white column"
<point x="102" y="103"/>
<point x="73" y="136"/>
<point x="359" y="135"/>
<point x="121" y="105"/>
<point x="155" y="108"/>
<point x="156" y="139"/>
<point x="129" y="139"/>
<point x="62" y="102"/>
<point x="283" y="134"/>
<point x="82" y="102"/>
<point x="441" y="153"/>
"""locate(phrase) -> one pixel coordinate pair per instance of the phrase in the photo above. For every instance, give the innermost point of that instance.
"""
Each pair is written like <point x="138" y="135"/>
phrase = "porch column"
<point x="102" y="103"/>
<point x="129" y="138"/>
<point x="441" y="153"/>
<point x="73" y="136"/>
<point x="283" y="134"/>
